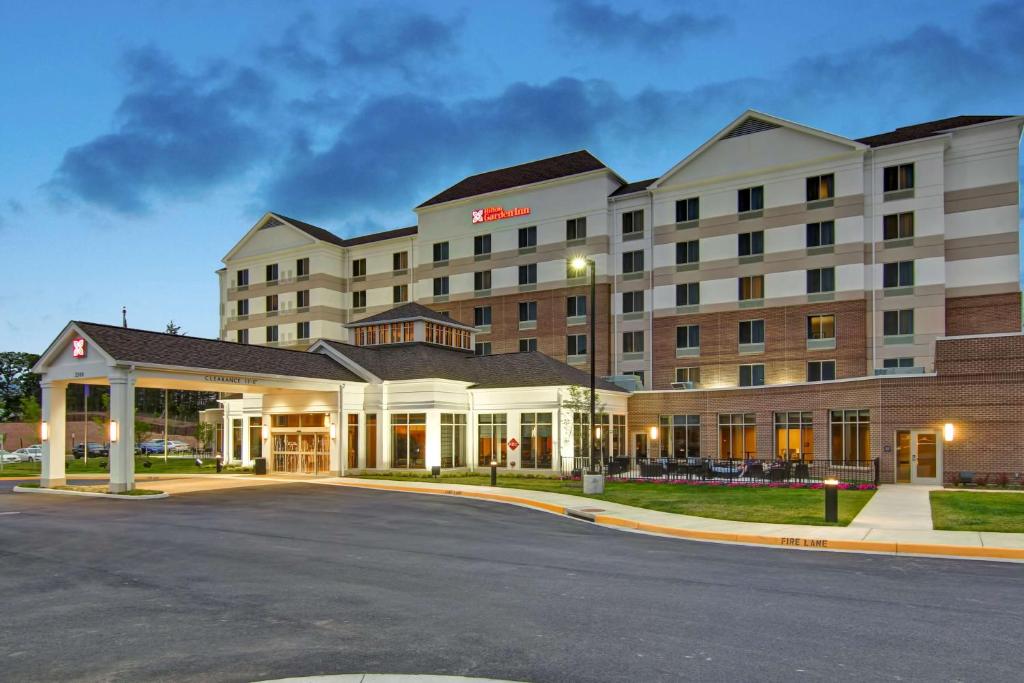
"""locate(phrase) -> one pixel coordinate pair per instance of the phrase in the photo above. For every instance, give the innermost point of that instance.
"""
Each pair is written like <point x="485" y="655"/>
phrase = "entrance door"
<point x="926" y="458"/>
<point x="640" y="444"/>
<point x="903" y="457"/>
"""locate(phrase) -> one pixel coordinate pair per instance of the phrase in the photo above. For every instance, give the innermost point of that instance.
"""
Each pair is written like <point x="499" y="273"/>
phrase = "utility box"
<point x="259" y="466"/>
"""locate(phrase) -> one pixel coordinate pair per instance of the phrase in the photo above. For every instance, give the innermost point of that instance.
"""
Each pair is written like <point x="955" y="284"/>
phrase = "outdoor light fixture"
<point x="114" y="433"/>
<point x="597" y="432"/>
<point x="266" y="432"/>
<point x="947" y="431"/>
<point x="578" y="264"/>
<point x="334" y="431"/>
<point x="44" y="431"/>
<point x="831" y="500"/>
<point x="654" y="433"/>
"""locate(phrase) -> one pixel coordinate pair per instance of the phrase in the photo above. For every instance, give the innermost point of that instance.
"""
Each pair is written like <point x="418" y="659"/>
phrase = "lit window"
<point x="821" y="187"/>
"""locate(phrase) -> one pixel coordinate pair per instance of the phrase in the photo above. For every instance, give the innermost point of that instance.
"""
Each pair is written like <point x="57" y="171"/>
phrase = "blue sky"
<point x="139" y="141"/>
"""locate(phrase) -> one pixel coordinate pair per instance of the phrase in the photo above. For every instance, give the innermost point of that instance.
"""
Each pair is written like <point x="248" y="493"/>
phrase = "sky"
<point x="139" y="141"/>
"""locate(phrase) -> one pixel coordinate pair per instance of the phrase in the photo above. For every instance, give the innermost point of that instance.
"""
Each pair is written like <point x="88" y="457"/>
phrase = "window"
<point x="688" y="294"/>
<point x="821" y="370"/>
<point x="528" y="274"/>
<point x="482" y="348"/>
<point x="751" y="287"/>
<point x="751" y="331"/>
<point x="688" y="337"/>
<point x="575" y="306"/>
<point x="441" y="286"/>
<point x="302" y="267"/>
<point x="400" y="261"/>
<point x="897" y="226"/>
<point x="482" y="280"/>
<point x="359" y="267"/>
<point x="750" y="199"/>
<point x="898" y="363"/>
<point x="737" y="436"/>
<point x="576" y="345"/>
<point x="687" y="252"/>
<point x="688" y="209"/>
<point x="898" y="178"/>
<point x="302" y="330"/>
<point x="242" y="336"/>
<point x="821" y="234"/>
<point x="821" y="187"/>
<point x="272" y="304"/>
<point x="633" y="342"/>
<point x="528" y="237"/>
<point x="302" y="298"/>
<point x="536" y="434"/>
<point x="794" y="436"/>
<point x="751" y="243"/>
<point x="688" y="374"/>
<point x="272" y="272"/>
<point x="821" y="280"/>
<point x="243" y="307"/>
<point x="632" y="302"/>
<point x="481" y="245"/>
<point x="898" y="322"/>
<point x="898" y="274"/>
<point x="576" y="229"/>
<point x="242" y="278"/>
<point x="752" y="375"/>
<point x="482" y="315"/>
<point x="580" y="429"/>
<point x="821" y="326"/>
<point x="527" y="345"/>
<point x="400" y="293"/>
<point x="527" y="311"/>
<point x="851" y="437"/>
<point x="453" y="440"/>
<point x="440" y="252"/>
<point x="633" y="261"/>
<point x="359" y="299"/>
<point x="633" y="222"/>
<point x="680" y="436"/>
<point x="491" y="432"/>
<point x="271" y="333"/>
<point x="408" y="440"/>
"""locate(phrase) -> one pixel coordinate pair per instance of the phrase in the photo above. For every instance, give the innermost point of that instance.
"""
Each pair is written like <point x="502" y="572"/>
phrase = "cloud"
<point x="612" y="28"/>
<point x="176" y="134"/>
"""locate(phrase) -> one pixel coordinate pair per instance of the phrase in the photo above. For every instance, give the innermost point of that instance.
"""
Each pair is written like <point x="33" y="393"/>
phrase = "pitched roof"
<point x="630" y="188"/>
<point x="158" y="348"/>
<point x="560" y="166"/>
<point x="326" y="235"/>
<point x="380" y="236"/>
<point x="314" y="231"/>
<point x="419" y="360"/>
<point x="407" y="311"/>
<point x="925" y="130"/>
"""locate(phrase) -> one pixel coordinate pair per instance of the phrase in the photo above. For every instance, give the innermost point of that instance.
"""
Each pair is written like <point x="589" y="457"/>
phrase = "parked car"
<point x="95" y="450"/>
<point x="29" y="454"/>
<point x="9" y="458"/>
<point x="156" y="446"/>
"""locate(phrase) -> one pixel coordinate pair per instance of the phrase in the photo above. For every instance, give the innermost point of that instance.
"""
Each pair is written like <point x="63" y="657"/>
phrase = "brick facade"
<point x="983" y="314"/>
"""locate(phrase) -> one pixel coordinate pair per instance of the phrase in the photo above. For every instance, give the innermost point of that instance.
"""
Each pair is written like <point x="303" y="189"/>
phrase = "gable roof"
<point x="559" y="166"/>
<point x="409" y="311"/>
<point x="630" y="188"/>
<point x="125" y="344"/>
<point x="419" y="360"/>
<point x="313" y="231"/>
<point x="927" y="129"/>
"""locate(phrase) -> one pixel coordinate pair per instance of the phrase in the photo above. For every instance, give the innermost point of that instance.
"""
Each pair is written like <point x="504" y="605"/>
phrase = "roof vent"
<point x="272" y="223"/>
<point x="750" y="125"/>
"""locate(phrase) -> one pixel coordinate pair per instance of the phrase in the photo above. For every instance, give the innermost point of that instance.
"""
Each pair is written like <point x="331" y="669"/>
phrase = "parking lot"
<point x="300" y="579"/>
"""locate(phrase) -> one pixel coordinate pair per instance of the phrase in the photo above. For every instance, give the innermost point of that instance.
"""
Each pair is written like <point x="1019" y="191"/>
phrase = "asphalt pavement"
<point x="301" y="579"/>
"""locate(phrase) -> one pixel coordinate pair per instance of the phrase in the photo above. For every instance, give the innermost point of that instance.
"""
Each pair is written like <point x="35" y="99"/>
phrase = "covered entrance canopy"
<point x="124" y="359"/>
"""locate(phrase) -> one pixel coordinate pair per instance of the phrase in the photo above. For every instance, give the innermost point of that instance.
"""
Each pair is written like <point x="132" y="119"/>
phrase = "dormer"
<point x="411" y="323"/>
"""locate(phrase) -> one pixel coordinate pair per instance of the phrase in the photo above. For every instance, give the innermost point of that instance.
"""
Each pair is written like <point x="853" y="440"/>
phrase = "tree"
<point x="578" y="402"/>
<point x="174" y="329"/>
<point x="17" y="382"/>
<point x="30" y="410"/>
<point x="204" y="434"/>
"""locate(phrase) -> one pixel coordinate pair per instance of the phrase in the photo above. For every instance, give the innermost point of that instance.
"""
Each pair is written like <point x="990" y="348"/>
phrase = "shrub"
<point x="981" y="480"/>
<point x="1002" y="479"/>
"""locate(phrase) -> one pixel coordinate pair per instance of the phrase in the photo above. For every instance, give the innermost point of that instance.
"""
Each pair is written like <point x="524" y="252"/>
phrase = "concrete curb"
<point x="89" y="494"/>
<point x="782" y="542"/>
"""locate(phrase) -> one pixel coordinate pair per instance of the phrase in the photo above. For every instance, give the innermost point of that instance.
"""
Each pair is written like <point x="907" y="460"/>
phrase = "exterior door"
<point x="925" y="457"/>
<point x="640" y="444"/>
<point x="903" y="457"/>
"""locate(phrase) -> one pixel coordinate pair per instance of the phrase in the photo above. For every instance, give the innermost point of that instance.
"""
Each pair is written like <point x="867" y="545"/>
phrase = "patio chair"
<point x="780" y="473"/>
<point x="801" y="471"/>
<point x="755" y="471"/>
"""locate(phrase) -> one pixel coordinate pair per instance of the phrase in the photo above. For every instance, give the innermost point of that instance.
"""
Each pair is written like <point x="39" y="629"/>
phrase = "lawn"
<point x="100" y="465"/>
<point x="978" y="511"/>
<point x="773" y="505"/>
<point x="102" y="488"/>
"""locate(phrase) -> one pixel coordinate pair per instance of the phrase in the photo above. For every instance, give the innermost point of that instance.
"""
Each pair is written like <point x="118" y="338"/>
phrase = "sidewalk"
<point x="898" y="506"/>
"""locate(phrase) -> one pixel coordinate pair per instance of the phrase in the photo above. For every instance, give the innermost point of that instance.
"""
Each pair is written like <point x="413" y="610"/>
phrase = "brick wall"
<point x="983" y="314"/>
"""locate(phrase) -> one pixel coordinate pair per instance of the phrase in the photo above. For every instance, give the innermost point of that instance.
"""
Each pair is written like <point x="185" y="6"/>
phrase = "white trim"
<point x="981" y="336"/>
<point x="788" y="384"/>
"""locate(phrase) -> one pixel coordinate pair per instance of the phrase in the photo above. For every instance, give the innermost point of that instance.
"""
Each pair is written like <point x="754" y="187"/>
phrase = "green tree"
<point x="30" y="411"/>
<point x="204" y="434"/>
<point x="17" y="382"/>
<point x="173" y="329"/>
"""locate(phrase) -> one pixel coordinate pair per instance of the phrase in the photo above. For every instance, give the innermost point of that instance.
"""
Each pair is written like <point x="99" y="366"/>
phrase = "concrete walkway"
<point x="898" y="506"/>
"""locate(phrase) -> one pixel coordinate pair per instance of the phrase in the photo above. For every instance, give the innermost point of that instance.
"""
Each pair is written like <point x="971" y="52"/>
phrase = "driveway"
<point x="300" y="579"/>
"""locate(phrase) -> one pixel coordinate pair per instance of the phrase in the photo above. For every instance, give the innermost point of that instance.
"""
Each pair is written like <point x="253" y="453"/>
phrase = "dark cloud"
<point x="610" y="27"/>
<point x="176" y="134"/>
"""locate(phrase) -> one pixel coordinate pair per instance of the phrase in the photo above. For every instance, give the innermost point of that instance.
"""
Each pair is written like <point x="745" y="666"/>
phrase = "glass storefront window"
<point x="353" y="441"/>
<point x="851" y="437"/>
<point x="536" y="432"/>
<point x="491" y="434"/>
<point x="408" y="440"/>
<point x="453" y="440"/>
<point x="737" y="436"/>
<point x="794" y="436"/>
<point x="255" y="437"/>
<point x="680" y="436"/>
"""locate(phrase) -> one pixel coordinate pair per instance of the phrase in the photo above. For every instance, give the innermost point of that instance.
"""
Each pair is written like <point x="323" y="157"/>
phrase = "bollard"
<point x="220" y="464"/>
<point x="831" y="500"/>
<point x="494" y="473"/>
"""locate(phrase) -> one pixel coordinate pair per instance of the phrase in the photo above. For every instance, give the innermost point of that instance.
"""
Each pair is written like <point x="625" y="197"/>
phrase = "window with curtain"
<point x="851" y="437"/>
<point x="737" y="436"/>
<point x="491" y="435"/>
<point x="408" y="440"/>
<point x="794" y="436"/>
<point x="453" y="440"/>
<point x="536" y="435"/>
<point x="680" y="436"/>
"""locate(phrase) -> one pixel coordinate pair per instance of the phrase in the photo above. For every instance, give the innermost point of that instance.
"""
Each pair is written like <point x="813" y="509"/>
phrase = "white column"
<point x="246" y="460"/>
<point x="384" y="427"/>
<point x="362" y="439"/>
<point x="122" y="451"/>
<point x="514" y="431"/>
<point x="433" y="454"/>
<point x="228" y="445"/>
<point x="339" y="462"/>
<point x="54" y="405"/>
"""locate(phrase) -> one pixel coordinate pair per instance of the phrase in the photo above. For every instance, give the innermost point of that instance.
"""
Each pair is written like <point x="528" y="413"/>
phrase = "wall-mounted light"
<point x="654" y="433"/>
<point x="266" y="432"/>
<point x="44" y="431"/>
<point x="334" y="431"/>
<point x="948" y="431"/>
<point x="597" y="433"/>
<point x="114" y="433"/>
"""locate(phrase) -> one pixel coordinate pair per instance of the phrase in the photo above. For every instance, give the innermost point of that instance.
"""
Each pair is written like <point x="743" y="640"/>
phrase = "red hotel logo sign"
<point x="78" y="348"/>
<point x="497" y="213"/>
<point x="513" y="444"/>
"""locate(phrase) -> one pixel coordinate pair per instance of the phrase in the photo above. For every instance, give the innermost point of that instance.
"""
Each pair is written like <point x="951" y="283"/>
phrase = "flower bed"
<point x="842" y="486"/>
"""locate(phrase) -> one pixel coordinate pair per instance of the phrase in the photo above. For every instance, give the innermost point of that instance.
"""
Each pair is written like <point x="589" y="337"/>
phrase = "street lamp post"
<point x="581" y="264"/>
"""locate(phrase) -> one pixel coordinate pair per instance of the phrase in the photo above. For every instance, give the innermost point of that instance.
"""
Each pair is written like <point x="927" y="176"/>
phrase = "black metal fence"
<point x="739" y="471"/>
